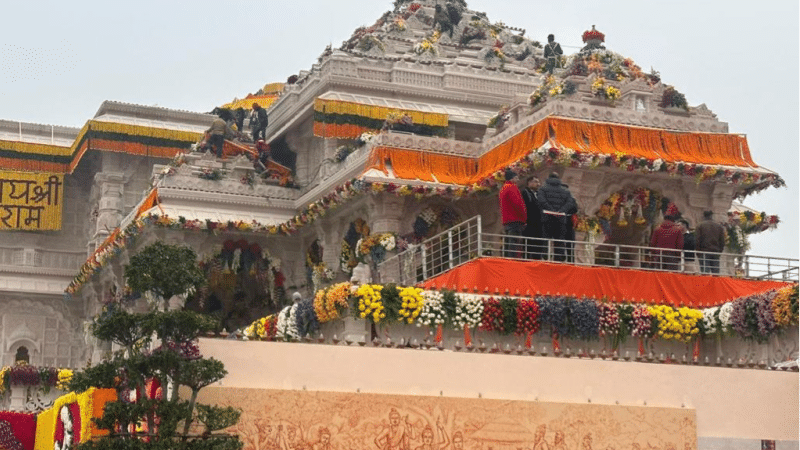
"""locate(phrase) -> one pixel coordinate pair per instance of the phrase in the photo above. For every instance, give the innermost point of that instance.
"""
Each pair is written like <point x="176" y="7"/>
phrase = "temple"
<point x="384" y="165"/>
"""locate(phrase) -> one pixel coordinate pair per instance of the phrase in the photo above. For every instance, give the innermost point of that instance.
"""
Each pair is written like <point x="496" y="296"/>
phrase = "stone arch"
<point x="353" y="231"/>
<point x="452" y="216"/>
<point x="32" y="347"/>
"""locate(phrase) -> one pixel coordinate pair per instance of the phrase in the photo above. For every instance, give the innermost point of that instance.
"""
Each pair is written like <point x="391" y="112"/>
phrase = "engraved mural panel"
<point x="277" y="419"/>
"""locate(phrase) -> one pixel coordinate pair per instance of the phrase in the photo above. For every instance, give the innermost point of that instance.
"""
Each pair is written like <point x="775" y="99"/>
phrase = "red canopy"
<point x="527" y="278"/>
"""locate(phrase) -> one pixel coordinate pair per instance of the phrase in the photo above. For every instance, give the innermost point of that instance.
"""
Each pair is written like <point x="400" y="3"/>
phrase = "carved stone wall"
<point x="52" y="334"/>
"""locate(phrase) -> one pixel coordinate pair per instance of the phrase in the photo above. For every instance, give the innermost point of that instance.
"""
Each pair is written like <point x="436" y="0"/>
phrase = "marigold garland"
<point x="412" y="303"/>
<point x="330" y="303"/>
<point x="785" y="306"/>
<point x="680" y="325"/>
<point x="370" y="306"/>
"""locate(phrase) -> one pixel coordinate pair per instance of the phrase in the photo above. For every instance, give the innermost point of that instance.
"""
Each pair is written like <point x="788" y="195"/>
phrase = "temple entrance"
<point x="243" y="283"/>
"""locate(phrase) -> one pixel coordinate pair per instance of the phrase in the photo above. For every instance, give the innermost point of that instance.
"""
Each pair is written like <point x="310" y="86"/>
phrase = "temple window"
<point x="22" y="354"/>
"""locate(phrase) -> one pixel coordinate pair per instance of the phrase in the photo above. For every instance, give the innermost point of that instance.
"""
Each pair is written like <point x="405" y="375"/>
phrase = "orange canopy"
<point x="586" y="137"/>
<point x="528" y="278"/>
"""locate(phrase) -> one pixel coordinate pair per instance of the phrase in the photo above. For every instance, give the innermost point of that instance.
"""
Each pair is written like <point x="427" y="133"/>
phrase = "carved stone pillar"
<point x="110" y="205"/>
<point x="585" y="188"/>
<point x="721" y="200"/>
<point x="385" y="213"/>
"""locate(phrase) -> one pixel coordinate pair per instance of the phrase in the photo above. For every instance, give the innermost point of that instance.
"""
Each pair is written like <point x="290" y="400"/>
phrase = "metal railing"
<point x="467" y="241"/>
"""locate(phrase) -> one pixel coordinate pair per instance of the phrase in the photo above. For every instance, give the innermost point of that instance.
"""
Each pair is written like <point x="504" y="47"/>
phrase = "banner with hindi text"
<point x="30" y="201"/>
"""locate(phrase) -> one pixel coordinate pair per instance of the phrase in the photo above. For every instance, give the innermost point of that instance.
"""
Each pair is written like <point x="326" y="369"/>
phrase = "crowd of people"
<point x="228" y="125"/>
<point x="536" y="214"/>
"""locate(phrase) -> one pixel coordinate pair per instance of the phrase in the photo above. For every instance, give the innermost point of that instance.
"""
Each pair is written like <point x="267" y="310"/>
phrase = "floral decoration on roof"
<point x="593" y="35"/>
<point x="424" y="29"/>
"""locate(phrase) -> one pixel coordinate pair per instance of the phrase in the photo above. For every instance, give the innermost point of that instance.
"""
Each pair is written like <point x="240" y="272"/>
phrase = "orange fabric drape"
<point x="513" y="149"/>
<point x="621" y="285"/>
<point x="599" y="138"/>
<point x="671" y="146"/>
<point x="413" y="164"/>
<point x="149" y="202"/>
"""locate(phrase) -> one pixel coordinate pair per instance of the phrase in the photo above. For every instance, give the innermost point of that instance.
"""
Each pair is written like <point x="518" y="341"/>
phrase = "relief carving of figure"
<point x="398" y="435"/>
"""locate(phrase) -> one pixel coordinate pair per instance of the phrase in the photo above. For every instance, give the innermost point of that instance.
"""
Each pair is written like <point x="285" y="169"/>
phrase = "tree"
<point x="165" y="270"/>
<point x="175" y="361"/>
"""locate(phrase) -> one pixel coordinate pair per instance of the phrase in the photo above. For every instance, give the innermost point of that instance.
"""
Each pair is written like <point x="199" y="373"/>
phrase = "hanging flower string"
<point x="756" y="317"/>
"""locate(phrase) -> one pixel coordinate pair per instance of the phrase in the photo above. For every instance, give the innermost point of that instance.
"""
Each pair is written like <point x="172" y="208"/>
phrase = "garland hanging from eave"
<point x="95" y="135"/>
<point x="568" y="143"/>
<point x="348" y="120"/>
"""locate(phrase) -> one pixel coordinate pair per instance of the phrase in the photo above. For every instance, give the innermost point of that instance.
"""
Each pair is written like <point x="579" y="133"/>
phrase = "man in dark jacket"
<point x="535" y="248"/>
<point x="709" y="237"/>
<point x="512" y="210"/>
<point x="258" y="122"/>
<point x="556" y="201"/>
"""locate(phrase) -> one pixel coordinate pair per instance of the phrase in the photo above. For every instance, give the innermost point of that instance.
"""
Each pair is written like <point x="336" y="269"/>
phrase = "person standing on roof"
<point x="217" y="135"/>
<point x="258" y="122"/>
<point x="710" y="238"/>
<point x="556" y="202"/>
<point x="552" y="54"/>
<point x="514" y="215"/>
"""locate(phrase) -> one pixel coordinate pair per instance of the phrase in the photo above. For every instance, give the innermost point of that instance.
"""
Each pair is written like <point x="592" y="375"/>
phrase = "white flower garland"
<point x="725" y="316"/>
<point x="286" y="327"/>
<point x="469" y="309"/>
<point x="710" y="317"/>
<point x="432" y="311"/>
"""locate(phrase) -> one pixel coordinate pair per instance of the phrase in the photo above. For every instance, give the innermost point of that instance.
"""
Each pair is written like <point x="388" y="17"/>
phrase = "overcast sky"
<point x="60" y="60"/>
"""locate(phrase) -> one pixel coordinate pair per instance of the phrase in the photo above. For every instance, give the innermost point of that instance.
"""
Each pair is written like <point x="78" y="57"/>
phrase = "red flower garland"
<point x="527" y="317"/>
<point x="492" y="317"/>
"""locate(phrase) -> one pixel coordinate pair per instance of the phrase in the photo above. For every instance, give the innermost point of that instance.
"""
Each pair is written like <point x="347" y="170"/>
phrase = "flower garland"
<point x="492" y="318"/>
<point x="331" y="303"/>
<point x="370" y="306"/>
<point x="469" y="309"/>
<point x="644" y="325"/>
<point x="604" y="91"/>
<point x="785" y="306"/>
<point x="551" y="88"/>
<point x="357" y="230"/>
<point x="23" y="374"/>
<point x="753" y="318"/>
<point x="356" y="187"/>
<point x="750" y="222"/>
<point x="527" y="317"/>
<point x="412" y="304"/>
<point x="265" y="327"/>
<point x="375" y="247"/>
<point x="286" y="326"/>
<point x="434" y="312"/>
<point x="609" y="322"/>
<point x="306" y="319"/>
<point x="680" y="325"/>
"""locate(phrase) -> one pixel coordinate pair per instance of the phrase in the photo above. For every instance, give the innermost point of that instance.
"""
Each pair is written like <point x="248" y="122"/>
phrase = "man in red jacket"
<point x="668" y="236"/>
<point x="512" y="210"/>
